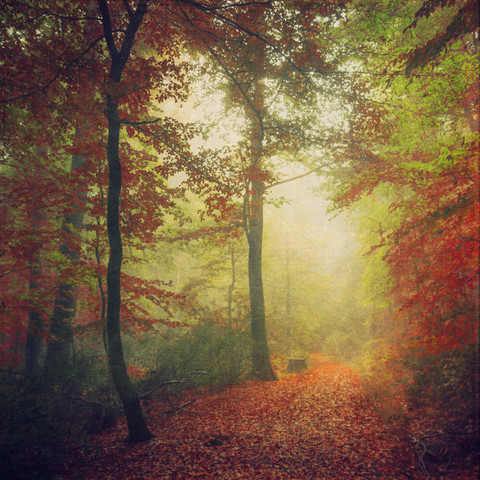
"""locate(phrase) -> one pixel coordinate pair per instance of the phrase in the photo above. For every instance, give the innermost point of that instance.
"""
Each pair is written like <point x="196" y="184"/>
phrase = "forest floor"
<point x="314" y="425"/>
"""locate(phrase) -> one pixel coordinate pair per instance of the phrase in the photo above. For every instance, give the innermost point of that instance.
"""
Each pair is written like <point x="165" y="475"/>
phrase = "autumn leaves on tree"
<point x="420" y="171"/>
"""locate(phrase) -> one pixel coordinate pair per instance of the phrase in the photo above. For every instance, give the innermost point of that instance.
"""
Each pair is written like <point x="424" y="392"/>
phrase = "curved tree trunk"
<point x="137" y="427"/>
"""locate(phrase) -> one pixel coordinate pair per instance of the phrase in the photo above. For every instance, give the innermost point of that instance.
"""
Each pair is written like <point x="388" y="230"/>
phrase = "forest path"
<point x="315" y="425"/>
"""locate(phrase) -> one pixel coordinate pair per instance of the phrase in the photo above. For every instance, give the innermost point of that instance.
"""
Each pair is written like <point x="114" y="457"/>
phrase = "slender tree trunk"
<point x="137" y="427"/>
<point x="289" y="296"/>
<point x="65" y="305"/>
<point x="33" y="343"/>
<point x="101" y="290"/>
<point x="231" y="287"/>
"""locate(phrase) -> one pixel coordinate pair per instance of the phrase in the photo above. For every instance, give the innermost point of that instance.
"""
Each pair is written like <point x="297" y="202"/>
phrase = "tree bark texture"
<point x="261" y="367"/>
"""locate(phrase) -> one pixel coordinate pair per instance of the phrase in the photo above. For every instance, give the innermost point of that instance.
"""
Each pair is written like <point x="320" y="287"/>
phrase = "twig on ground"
<point x="175" y="409"/>
<point x="421" y="450"/>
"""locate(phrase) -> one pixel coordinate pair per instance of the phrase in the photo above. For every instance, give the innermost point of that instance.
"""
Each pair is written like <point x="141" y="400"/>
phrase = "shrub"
<point x="40" y="419"/>
<point x="222" y="353"/>
<point x="446" y="382"/>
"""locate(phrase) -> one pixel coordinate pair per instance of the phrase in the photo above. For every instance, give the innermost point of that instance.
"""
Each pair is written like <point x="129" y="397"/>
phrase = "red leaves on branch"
<point x="54" y="77"/>
<point x="465" y="21"/>
<point x="435" y="258"/>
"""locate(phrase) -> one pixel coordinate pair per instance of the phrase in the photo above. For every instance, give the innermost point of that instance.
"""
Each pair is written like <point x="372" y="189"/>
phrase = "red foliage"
<point x="54" y="78"/>
<point x="465" y="21"/>
<point x="135" y="372"/>
<point x="435" y="258"/>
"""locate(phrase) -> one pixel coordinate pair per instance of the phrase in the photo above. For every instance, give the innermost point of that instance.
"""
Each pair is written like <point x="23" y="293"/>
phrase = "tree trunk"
<point x="261" y="367"/>
<point x="65" y="305"/>
<point x="137" y="426"/>
<point x="33" y="342"/>
<point x="289" y="296"/>
<point x="231" y="288"/>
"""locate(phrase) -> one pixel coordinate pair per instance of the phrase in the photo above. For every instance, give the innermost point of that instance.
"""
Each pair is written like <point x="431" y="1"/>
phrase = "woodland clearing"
<point x="314" y="425"/>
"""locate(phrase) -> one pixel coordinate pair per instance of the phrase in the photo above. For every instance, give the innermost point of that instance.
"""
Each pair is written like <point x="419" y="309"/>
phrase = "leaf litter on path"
<point x="315" y="425"/>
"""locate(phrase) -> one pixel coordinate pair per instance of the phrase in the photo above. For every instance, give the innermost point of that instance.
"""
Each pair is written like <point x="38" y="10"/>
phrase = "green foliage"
<point x="206" y="353"/>
<point x="342" y="345"/>
<point x="384" y="379"/>
<point x="224" y="354"/>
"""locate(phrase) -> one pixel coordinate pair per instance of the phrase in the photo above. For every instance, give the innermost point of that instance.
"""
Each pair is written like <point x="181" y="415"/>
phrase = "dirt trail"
<point x="316" y="425"/>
